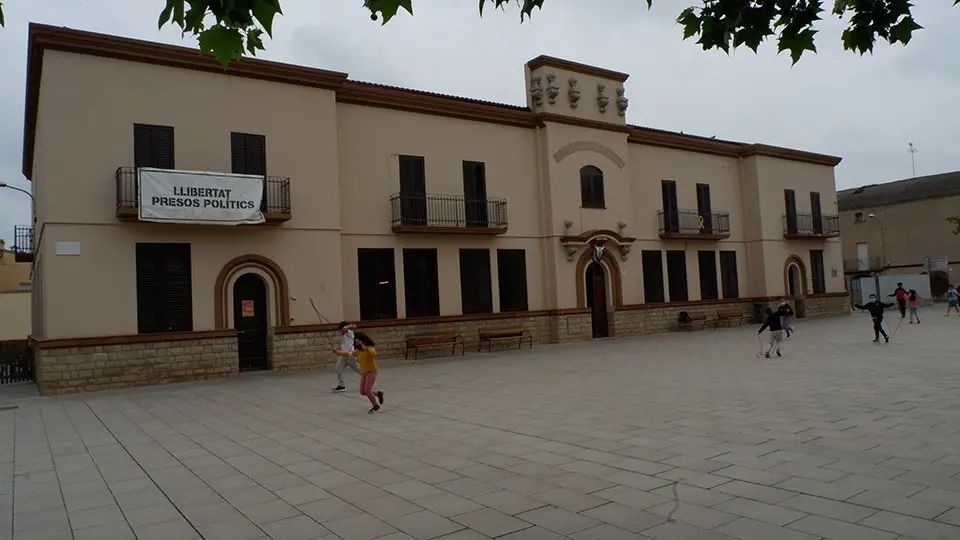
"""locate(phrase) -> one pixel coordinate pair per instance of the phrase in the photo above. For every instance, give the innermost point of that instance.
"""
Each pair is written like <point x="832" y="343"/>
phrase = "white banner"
<point x="194" y="197"/>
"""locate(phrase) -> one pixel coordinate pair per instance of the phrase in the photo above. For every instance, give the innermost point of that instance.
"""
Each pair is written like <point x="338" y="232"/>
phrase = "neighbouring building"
<point x="408" y="211"/>
<point x="900" y="228"/>
<point x="14" y="293"/>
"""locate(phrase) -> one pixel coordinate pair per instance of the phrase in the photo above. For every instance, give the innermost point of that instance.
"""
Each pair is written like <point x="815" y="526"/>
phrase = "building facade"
<point x="407" y="211"/>
<point x="901" y="228"/>
<point x="14" y="295"/>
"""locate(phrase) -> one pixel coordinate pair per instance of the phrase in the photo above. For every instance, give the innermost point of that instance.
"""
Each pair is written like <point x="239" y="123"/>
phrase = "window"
<point x="790" y="208"/>
<point x="816" y="212"/>
<point x="476" y="287"/>
<point x="248" y="154"/>
<point x="421" y="282"/>
<point x="153" y="146"/>
<point x="671" y="213"/>
<point x="652" y="264"/>
<point x="512" y="279"/>
<point x="413" y="190"/>
<point x="164" y="288"/>
<point x="704" y="208"/>
<point x="376" y="276"/>
<point x="858" y="217"/>
<point x="816" y="266"/>
<point x="729" y="280"/>
<point x="677" y="275"/>
<point x="707" y="263"/>
<point x="475" y="193"/>
<point x="591" y="187"/>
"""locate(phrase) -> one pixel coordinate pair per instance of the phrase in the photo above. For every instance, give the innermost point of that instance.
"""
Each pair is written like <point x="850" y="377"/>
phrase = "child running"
<point x="786" y="317"/>
<point x="876" y="307"/>
<point x="776" y="331"/>
<point x="912" y="298"/>
<point x="367" y="355"/>
<point x="346" y="345"/>
<point x="952" y="301"/>
<point x="901" y="294"/>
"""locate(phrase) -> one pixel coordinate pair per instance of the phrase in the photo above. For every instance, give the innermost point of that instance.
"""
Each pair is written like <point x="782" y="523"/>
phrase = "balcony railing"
<point x="275" y="204"/>
<point x="22" y="243"/>
<point x="870" y="264"/>
<point x="810" y="226"/>
<point x="447" y="214"/>
<point x="691" y="224"/>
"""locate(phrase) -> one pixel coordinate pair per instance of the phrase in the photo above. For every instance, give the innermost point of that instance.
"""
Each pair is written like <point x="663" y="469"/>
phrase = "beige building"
<point x="900" y="228"/>
<point x="408" y="211"/>
<point x="14" y="293"/>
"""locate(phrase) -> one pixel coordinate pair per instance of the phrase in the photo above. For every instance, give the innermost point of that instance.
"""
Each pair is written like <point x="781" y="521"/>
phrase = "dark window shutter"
<point x="652" y="264"/>
<point x="153" y="146"/>
<point x="248" y="154"/>
<point x="238" y="153"/>
<point x="142" y="146"/>
<point x="476" y="293"/>
<point x="164" y="288"/>
<point x="377" y="282"/>
<point x="728" y="273"/>
<point x="421" y="281"/>
<point x="677" y="276"/>
<point x="512" y="279"/>
<point x="591" y="187"/>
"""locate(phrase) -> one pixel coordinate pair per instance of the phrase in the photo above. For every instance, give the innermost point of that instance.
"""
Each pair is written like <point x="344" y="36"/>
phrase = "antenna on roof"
<point x="913" y="161"/>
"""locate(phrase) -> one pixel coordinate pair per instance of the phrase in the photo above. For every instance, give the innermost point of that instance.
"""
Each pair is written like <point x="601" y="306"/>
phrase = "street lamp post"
<point x="33" y="202"/>
<point x="876" y="275"/>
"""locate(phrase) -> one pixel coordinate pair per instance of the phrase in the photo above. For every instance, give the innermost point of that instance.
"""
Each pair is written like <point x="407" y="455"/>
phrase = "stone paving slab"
<point x="840" y="439"/>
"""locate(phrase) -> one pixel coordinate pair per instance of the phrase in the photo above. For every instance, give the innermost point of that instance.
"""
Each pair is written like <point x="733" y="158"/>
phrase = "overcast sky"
<point x="865" y="109"/>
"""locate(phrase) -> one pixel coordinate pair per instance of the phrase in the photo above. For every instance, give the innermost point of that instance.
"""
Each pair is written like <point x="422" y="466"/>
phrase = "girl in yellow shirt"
<point x="367" y="357"/>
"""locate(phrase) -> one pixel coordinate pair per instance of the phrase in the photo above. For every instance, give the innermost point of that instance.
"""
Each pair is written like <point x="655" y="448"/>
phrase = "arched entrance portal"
<point x="595" y="287"/>
<point x="794" y="283"/>
<point x="250" y="320"/>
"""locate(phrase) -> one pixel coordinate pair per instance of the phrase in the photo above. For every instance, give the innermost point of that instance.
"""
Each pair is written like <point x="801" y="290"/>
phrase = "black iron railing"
<point x="276" y="192"/>
<point x="22" y="239"/>
<point x="692" y="223"/>
<point x="447" y="212"/>
<point x="16" y="361"/>
<point x="810" y="225"/>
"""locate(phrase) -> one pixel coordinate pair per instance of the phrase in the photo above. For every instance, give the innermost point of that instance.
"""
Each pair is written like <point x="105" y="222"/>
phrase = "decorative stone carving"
<point x="622" y="102"/>
<point x="602" y="99"/>
<point x="536" y="92"/>
<point x="598" y="251"/>
<point x="573" y="93"/>
<point x="624" y="251"/>
<point x="566" y="226"/>
<point x="552" y="90"/>
<point x="571" y="251"/>
<point x="621" y="225"/>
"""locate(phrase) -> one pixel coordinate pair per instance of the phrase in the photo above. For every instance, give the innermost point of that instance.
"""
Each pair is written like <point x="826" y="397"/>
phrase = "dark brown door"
<point x="413" y="190"/>
<point x="596" y="288"/>
<point x="475" y="193"/>
<point x="250" y="320"/>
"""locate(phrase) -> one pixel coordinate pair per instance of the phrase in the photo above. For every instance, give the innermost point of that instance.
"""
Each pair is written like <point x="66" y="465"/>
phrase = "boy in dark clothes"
<point x="901" y="295"/>
<point x="776" y="331"/>
<point x="876" y="307"/>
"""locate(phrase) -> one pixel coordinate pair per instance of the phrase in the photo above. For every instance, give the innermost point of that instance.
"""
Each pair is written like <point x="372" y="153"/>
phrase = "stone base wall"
<point x="828" y="306"/>
<point x="69" y="369"/>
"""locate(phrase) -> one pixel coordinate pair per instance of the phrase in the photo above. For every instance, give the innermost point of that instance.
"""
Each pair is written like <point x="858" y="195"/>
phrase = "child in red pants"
<point x="366" y="355"/>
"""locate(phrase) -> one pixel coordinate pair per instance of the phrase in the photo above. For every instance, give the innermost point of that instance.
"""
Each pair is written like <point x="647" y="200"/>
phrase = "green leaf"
<point x="690" y="22"/>
<point x="955" y="220"/>
<point x="1" y="13"/>
<point x="903" y="31"/>
<point x="225" y="44"/>
<point x="254" y="41"/>
<point x="265" y="11"/>
<point x="797" y="44"/>
<point x="165" y="14"/>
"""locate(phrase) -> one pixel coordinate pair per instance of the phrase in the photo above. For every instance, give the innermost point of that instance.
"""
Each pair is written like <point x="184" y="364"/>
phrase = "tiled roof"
<point x="912" y="189"/>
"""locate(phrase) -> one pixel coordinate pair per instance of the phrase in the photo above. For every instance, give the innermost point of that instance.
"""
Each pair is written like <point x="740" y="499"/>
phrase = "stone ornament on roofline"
<point x="552" y="90"/>
<point x="536" y="92"/>
<point x="622" y="101"/>
<point x="573" y="93"/>
<point x="602" y="99"/>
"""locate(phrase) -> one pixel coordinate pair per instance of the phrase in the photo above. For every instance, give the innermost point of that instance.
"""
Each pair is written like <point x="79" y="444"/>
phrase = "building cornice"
<point x="44" y="37"/>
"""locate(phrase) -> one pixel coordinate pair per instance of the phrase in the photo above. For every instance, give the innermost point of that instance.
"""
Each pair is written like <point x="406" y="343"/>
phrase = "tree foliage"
<point x="229" y="29"/>
<point x="955" y="221"/>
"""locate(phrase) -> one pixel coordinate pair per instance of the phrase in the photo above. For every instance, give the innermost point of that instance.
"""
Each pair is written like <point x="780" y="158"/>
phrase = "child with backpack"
<point x="901" y="294"/>
<point x="912" y="298"/>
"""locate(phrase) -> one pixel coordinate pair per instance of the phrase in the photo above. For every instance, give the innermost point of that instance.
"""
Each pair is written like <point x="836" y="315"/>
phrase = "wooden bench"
<point x="489" y="335"/>
<point x="697" y="319"/>
<point x="730" y="316"/>
<point x="424" y="341"/>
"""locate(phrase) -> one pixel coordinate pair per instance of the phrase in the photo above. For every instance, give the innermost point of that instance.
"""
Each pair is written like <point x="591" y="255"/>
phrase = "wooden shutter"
<point x="248" y="154"/>
<point x="153" y="146"/>
<point x="790" y="204"/>
<point x="707" y="265"/>
<point x="677" y="276"/>
<point x="652" y="266"/>
<point x="512" y="279"/>
<point x="476" y="293"/>
<point x="164" y="288"/>
<point x="377" y="283"/>
<point x="728" y="273"/>
<point x="421" y="282"/>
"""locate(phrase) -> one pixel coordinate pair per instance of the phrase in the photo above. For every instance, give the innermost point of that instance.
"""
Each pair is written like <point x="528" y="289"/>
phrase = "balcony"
<point x="447" y="214"/>
<point x="854" y="266"/>
<point x="808" y="226"/>
<point x="691" y="225"/>
<point x="22" y="243"/>
<point x="275" y="202"/>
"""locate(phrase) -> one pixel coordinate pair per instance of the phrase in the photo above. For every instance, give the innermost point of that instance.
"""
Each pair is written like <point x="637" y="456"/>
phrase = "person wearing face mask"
<point x="876" y="307"/>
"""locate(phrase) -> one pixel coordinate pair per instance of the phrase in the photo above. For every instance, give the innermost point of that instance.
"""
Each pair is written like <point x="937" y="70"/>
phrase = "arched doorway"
<point x="595" y="286"/>
<point x="794" y="281"/>
<point x="250" y="320"/>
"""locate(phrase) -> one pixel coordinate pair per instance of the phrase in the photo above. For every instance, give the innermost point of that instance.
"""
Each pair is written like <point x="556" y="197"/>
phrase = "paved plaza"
<point x="840" y="439"/>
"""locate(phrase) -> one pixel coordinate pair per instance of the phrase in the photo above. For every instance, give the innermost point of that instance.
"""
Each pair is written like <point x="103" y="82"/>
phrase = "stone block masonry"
<point x="86" y="364"/>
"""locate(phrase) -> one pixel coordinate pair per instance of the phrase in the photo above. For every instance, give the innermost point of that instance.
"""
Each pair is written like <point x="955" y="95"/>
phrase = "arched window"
<point x="591" y="187"/>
